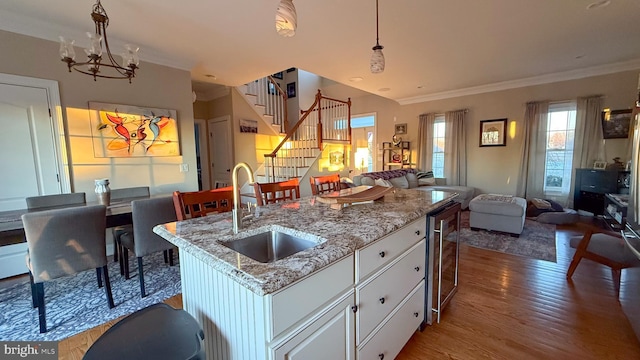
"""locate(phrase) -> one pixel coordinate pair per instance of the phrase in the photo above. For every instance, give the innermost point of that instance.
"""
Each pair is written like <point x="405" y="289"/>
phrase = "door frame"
<point x="56" y="121"/>
<point x="203" y="141"/>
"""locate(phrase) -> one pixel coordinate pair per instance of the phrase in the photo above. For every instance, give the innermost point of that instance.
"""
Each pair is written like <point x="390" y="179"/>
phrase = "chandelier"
<point x="286" y="18"/>
<point x="377" y="58"/>
<point x="95" y="66"/>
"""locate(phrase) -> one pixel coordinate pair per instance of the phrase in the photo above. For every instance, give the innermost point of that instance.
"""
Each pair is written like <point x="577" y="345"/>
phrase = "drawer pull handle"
<point x="418" y="232"/>
<point x="417" y="268"/>
<point x="381" y="356"/>
<point x="381" y="300"/>
<point x="382" y="254"/>
<point x="415" y="314"/>
<point x="354" y="308"/>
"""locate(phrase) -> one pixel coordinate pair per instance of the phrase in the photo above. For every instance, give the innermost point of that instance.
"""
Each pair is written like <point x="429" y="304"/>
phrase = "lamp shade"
<point x="377" y="60"/>
<point x="286" y="18"/>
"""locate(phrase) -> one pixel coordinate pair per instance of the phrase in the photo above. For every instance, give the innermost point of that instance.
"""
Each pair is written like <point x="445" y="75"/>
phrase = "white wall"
<point x="154" y="86"/>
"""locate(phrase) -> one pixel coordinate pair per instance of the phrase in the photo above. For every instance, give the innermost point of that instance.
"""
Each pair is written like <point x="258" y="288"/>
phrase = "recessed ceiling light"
<point x="356" y="79"/>
<point x="384" y="89"/>
<point x="210" y="76"/>
<point x="598" y="4"/>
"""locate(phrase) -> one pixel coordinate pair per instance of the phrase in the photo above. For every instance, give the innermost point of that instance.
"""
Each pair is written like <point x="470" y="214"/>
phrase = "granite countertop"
<point x="340" y="233"/>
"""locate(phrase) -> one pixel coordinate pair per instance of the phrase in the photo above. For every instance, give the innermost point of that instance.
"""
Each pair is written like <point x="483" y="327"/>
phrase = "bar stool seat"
<point x="155" y="332"/>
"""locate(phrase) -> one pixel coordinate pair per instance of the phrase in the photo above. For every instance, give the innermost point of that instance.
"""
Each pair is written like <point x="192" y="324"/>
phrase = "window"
<point x="362" y="130"/>
<point x="561" y="125"/>
<point x="438" y="147"/>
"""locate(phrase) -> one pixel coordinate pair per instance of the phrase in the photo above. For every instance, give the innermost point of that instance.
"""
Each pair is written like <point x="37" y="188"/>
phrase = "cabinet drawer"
<point x="295" y="302"/>
<point x="394" y="334"/>
<point x="379" y="297"/>
<point x="386" y="249"/>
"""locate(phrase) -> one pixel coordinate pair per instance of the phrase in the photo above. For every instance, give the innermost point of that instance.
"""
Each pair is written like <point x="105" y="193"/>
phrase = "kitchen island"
<point x="360" y="290"/>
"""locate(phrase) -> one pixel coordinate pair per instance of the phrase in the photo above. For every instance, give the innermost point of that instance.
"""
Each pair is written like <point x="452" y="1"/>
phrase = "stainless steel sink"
<point x="269" y="246"/>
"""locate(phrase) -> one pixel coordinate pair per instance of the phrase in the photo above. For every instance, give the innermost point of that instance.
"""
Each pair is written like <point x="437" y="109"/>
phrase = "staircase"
<point x="326" y="121"/>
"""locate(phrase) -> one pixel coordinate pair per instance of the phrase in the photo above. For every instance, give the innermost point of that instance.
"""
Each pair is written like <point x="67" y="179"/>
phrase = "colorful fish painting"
<point x="127" y="131"/>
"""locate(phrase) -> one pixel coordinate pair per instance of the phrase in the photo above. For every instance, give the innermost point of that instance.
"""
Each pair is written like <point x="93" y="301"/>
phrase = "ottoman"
<point x="496" y="212"/>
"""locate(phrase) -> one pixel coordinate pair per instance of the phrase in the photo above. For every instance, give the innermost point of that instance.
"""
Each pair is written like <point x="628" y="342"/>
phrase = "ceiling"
<point x="433" y="49"/>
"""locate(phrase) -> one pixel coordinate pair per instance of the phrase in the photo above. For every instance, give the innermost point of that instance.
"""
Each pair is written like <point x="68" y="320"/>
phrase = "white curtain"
<point x="533" y="151"/>
<point x="455" y="148"/>
<point x="589" y="141"/>
<point x="425" y="141"/>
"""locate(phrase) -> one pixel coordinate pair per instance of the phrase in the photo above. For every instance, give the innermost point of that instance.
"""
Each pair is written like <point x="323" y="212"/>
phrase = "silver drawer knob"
<point x="381" y="300"/>
<point x="418" y="232"/>
<point x="382" y="254"/>
<point x="417" y="268"/>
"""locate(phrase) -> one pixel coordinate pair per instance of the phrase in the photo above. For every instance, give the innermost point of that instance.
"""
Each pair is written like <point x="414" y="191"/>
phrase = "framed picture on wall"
<point x="291" y="90"/>
<point x="615" y="124"/>
<point x="401" y="129"/>
<point x="493" y="132"/>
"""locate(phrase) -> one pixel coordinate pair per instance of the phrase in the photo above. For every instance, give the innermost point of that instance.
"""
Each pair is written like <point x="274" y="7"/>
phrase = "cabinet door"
<point x="332" y="336"/>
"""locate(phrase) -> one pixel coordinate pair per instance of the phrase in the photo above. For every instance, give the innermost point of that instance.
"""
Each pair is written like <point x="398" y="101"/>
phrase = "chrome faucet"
<point x="237" y="218"/>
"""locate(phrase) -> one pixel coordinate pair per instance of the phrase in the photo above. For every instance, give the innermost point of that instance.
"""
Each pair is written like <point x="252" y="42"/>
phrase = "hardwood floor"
<point x="509" y="307"/>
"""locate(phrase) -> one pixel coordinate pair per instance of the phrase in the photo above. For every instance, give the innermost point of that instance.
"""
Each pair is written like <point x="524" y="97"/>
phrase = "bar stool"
<point x="155" y="332"/>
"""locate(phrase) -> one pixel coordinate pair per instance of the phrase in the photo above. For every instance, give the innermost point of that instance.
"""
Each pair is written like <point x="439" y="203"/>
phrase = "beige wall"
<point x="154" y="86"/>
<point x="495" y="169"/>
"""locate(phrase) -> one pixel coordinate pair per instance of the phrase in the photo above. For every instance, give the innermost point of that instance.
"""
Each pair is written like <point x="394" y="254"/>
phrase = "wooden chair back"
<point x="269" y="193"/>
<point x="324" y="184"/>
<point x="200" y="203"/>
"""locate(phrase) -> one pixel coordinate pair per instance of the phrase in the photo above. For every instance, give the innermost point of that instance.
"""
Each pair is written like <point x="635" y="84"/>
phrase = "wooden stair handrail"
<point x="295" y="127"/>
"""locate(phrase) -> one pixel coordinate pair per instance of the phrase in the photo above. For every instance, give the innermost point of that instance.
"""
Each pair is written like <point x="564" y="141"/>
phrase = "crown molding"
<point x="21" y="24"/>
<point x="531" y="81"/>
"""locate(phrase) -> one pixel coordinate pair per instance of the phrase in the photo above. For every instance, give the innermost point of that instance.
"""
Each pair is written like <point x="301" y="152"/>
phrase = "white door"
<point x="221" y="151"/>
<point x="29" y="149"/>
<point x="29" y="159"/>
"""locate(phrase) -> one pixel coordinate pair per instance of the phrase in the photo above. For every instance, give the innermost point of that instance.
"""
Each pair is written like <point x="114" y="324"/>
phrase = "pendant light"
<point x="286" y="18"/>
<point x="377" y="58"/>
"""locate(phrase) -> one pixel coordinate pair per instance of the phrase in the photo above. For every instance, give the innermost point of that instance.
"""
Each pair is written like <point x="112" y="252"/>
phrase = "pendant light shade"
<point x="286" y="18"/>
<point x="377" y="58"/>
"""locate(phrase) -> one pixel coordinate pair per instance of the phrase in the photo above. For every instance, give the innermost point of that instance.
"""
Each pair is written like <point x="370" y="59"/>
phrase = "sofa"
<point x="408" y="179"/>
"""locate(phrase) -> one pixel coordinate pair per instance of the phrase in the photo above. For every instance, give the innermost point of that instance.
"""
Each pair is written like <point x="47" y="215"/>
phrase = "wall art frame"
<point x="615" y="124"/>
<point x="493" y="132"/>
<point x="132" y="131"/>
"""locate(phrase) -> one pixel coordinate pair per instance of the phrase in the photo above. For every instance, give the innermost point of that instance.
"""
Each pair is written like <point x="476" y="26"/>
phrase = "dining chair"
<point x="200" y="203"/>
<point x="604" y="247"/>
<point x="143" y="241"/>
<point x="269" y="193"/>
<point x="324" y="184"/>
<point x="50" y="201"/>
<point x="120" y="195"/>
<point x="57" y="249"/>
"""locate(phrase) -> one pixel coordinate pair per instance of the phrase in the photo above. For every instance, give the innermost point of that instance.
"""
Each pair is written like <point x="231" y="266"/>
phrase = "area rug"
<point x="75" y="304"/>
<point x="537" y="240"/>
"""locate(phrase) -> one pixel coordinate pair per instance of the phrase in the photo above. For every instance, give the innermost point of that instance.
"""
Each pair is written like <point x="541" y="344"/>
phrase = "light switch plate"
<point x="184" y="168"/>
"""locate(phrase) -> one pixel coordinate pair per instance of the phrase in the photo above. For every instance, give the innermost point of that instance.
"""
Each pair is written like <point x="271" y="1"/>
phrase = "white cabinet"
<point x="331" y="336"/>
<point x="396" y="329"/>
<point x="379" y="297"/>
<point x="390" y="291"/>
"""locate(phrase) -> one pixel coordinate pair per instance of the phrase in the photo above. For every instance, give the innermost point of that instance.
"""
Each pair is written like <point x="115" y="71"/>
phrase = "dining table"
<point x="118" y="214"/>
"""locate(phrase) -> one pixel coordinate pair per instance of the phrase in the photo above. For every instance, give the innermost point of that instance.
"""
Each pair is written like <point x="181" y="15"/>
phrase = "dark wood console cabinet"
<point x="591" y="185"/>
